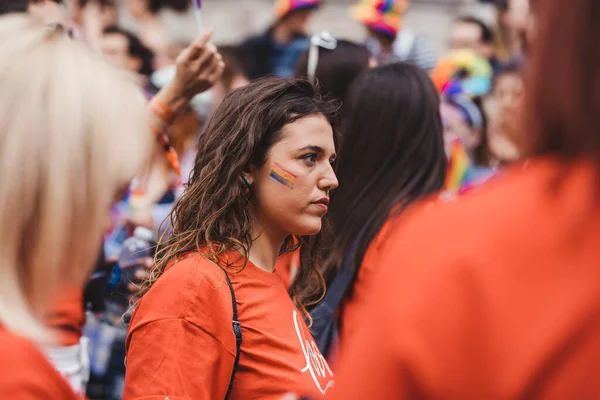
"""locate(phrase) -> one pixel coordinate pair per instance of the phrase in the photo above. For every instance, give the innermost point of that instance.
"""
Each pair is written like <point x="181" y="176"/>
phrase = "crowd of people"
<point x="298" y="215"/>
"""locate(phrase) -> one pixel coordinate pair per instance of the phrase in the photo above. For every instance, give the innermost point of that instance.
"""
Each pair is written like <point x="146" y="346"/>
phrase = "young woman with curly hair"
<point x="261" y="182"/>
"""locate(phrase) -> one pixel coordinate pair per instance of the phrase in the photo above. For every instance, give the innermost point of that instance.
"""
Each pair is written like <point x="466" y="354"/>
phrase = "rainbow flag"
<point x="458" y="164"/>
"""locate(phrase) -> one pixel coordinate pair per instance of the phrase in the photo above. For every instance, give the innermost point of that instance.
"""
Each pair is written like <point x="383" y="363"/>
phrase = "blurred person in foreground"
<point x="500" y="289"/>
<point x="276" y="51"/>
<point x="387" y="38"/>
<point x="70" y="171"/>
<point x="198" y="67"/>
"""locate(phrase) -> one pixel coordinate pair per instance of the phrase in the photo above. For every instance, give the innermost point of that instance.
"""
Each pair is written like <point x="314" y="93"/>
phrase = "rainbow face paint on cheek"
<point x="280" y="175"/>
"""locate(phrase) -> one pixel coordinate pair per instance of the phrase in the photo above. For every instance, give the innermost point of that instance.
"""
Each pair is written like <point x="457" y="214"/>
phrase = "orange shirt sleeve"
<point x="67" y="317"/>
<point x="181" y="342"/>
<point x="26" y="374"/>
<point x="175" y="358"/>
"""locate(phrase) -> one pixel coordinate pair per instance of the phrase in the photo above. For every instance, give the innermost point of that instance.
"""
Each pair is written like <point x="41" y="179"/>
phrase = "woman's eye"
<point x="310" y="158"/>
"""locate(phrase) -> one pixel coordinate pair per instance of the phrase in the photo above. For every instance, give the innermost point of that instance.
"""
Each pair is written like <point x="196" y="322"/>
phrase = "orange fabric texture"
<point x="493" y="296"/>
<point x="181" y="342"/>
<point x="351" y="308"/>
<point x="287" y="267"/>
<point x="26" y="374"/>
<point x="67" y="317"/>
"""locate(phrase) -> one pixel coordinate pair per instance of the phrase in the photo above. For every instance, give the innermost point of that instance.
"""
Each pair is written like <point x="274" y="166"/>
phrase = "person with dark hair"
<point x="392" y="155"/>
<point x="387" y="38"/>
<point x="124" y="50"/>
<point x="333" y="66"/>
<point x="470" y="33"/>
<point x="277" y="51"/>
<point x="214" y="320"/>
<point x="496" y="295"/>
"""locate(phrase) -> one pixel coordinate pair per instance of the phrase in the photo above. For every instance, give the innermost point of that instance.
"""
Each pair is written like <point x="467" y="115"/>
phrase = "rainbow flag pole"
<point x="197" y="6"/>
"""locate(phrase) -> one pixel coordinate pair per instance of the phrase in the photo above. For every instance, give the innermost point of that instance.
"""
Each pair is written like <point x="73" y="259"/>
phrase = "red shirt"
<point x="351" y="310"/>
<point x="287" y="267"/>
<point x="493" y="296"/>
<point x="181" y="342"/>
<point x="26" y="374"/>
<point x="67" y="317"/>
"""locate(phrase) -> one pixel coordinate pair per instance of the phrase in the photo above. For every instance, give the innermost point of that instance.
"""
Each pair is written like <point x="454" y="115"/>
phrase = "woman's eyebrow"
<point x="315" y="148"/>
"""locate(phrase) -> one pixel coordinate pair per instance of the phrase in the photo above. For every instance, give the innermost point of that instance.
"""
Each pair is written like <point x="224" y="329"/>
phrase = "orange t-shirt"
<point x="350" y="316"/>
<point x="493" y="296"/>
<point x="67" y="317"/>
<point x="181" y="342"/>
<point x="287" y="267"/>
<point x="26" y="374"/>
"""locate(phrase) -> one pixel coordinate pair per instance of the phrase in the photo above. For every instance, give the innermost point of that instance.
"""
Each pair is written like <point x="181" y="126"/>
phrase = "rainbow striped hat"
<point x="383" y="16"/>
<point x="284" y="7"/>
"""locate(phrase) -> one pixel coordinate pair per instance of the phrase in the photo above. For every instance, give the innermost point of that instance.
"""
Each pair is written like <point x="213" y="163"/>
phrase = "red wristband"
<point x="161" y="110"/>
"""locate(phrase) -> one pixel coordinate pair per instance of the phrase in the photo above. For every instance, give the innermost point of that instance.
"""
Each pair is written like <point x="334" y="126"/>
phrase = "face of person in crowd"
<point x="48" y="12"/>
<point x="518" y="14"/>
<point x="466" y="36"/>
<point x="93" y="13"/>
<point x="508" y="92"/>
<point x="456" y="127"/>
<point x="115" y="48"/>
<point x="507" y="99"/>
<point x="298" y="21"/>
<point x="137" y="8"/>
<point x="292" y="188"/>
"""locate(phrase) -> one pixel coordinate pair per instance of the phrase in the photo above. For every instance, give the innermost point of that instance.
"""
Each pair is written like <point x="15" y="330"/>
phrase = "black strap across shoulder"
<point x="237" y="330"/>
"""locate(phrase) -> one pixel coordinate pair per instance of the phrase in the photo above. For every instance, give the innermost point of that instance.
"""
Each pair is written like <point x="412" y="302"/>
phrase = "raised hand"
<point x="198" y="67"/>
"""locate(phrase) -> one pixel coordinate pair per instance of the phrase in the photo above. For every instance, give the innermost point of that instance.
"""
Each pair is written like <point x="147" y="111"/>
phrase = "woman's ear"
<point x="250" y="174"/>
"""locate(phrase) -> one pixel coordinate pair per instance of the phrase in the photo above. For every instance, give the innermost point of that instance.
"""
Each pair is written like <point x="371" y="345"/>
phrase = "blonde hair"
<point x="73" y="131"/>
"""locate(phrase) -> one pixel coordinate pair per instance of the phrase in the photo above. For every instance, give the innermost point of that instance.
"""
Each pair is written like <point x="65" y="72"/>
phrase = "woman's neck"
<point x="265" y="248"/>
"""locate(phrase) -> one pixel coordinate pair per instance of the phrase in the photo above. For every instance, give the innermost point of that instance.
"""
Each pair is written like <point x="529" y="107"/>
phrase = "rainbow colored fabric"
<point x="463" y="72"/>
<point x="284" y="7"/>
<point x="462" y="176"/>
<point x="383" y="16"/>
<point x="458" y="164"/>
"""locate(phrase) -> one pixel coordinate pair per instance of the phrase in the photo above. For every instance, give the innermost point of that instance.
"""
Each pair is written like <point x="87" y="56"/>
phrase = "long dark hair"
<point x="213" y="216"/>
<point x="392" y="154"/>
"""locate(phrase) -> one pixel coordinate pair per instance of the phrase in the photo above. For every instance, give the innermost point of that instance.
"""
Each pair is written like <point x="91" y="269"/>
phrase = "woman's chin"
<point x="308" y="229"/>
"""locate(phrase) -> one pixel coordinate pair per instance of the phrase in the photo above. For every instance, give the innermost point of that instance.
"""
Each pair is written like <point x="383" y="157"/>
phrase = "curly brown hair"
<point x="213" y="215"/>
